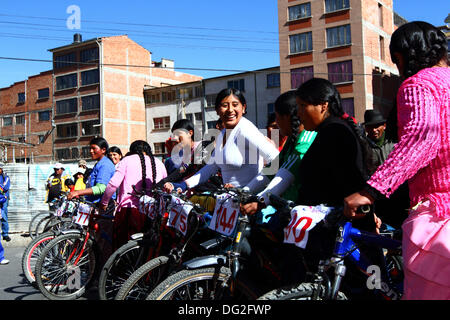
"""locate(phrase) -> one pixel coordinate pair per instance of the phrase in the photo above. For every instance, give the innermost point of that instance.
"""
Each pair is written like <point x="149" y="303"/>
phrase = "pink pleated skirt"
<point x="426" y="254"/>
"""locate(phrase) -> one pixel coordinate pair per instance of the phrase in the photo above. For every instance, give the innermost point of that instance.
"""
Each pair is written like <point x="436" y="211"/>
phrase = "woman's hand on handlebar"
<point x="168" y="187"/>
<point x="251" y="208"/>
<point x="354" y="201"/>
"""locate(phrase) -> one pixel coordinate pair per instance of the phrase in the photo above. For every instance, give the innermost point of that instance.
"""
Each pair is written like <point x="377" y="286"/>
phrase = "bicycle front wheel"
<point x="119" y="266"/>
<point x="201" y="284"/>
<point x="65" y="267"/>
<point x="139" y="285"/>
<point x="31" y="254"/>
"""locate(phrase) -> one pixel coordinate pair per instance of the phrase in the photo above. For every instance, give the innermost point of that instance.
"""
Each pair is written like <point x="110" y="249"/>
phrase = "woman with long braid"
<point x="128" y="220"/>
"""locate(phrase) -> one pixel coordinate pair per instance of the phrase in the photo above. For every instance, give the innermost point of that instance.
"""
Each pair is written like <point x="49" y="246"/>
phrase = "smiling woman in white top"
<point x="241" y="149"/>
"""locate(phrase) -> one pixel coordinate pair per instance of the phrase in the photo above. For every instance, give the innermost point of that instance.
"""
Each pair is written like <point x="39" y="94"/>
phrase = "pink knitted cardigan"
<point x="422" y="155"/>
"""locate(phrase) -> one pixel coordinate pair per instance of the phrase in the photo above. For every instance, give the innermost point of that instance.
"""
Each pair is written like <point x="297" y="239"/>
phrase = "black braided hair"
<point x="317" y="91"/>
<point x="286" y="104"/>
<point x="420" y="44"/>
<point x="141" y="147"/>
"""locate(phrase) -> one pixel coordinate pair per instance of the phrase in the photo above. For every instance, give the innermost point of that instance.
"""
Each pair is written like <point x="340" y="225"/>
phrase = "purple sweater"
<point x="128" y="173"/>
<point x="422" y="155"/>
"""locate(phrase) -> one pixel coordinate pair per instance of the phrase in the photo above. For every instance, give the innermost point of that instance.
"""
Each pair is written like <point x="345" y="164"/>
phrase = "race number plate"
<point x="62" y="208"/>
<point x="147" y="206"/>
<point x="82" y="217"/>
<point x="303" y="219"/>
<point x="178" y="214"/>
<point x="226" y="214"/>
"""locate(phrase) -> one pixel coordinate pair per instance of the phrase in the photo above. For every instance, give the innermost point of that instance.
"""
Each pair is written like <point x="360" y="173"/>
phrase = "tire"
<point x="192" y="284"/>
<point x="34" y="221"/>
<point x="40" y="226"/>
<point x="53" y="277"/>
<point x="119" y="266"/>
<point x="59" y="223"/>
<point x="31" y="254"/>
<point x="139" y="285"/>
<point x="304" y="291"/>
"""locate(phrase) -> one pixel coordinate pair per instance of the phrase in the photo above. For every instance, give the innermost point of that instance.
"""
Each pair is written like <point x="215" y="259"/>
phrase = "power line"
<point x="142" y="24"/>
<point x="187" y="68"/>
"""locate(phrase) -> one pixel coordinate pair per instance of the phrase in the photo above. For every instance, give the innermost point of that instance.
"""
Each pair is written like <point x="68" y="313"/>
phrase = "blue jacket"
<point x="4" y="184"/>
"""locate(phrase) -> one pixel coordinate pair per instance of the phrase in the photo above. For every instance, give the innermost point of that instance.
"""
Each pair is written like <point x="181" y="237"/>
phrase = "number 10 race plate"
<point x="303" y="219"/>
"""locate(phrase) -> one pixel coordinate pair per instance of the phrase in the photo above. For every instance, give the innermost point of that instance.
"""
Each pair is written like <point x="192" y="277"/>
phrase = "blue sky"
<point x="199" y="34"/>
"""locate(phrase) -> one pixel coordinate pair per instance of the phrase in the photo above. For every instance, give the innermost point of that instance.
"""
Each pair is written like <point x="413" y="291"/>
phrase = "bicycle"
<point x="220" y="276"/>
<point x="386" y="284"/>
<point x="163" y="236"/>
<point x="68" y="262"/>
<point x="64" y="210"/>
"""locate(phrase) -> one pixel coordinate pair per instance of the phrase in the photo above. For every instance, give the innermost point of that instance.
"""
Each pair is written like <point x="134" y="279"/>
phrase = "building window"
<point x="62" y="154"/>
<point x="20" y="119"/>
<point x="152" y="98"/>
<point x="300" y="42"/>
<point x="211" y="100"/>
<point x="300" y="11"/>
<point x="335" y="5"/>
<point x="339" y="72"/>
<point x="67" y="130"/>
<point x="43" y="93"/>
<point x="21" y="139"/>
<point x="198" y="91"/>
<point x="66" y="82"/>
<point x="161" y="123"/>
<point x="236" y="84"/>
<point x="66" y="60"/>
<point x="44" y="116"/>
<point x="75" y="153"/>
<point x="66" y="106"/>
<point x="348" y="106"/>
<point x="380" y="14"/>
<point x="86" y="152"/>
<point x="300" y="75"/>
<point x="7" y="121"/>
<point x="198" y="116"/>
<point x="89" y="55"/>
<point x="382" y="56"/>
<point x="160" y="148"/>
<point x="90" y="128"/>
<point x="273" y="80"/>
<point x="185" y="93"/>
<point x="90" y="77"/>
<point x="21" y="97"/>
<point x="211" y="124"/>
<point x="41" y="138"/>
<point x="90" y="102"/>
<point x="168" y="96"/>
<point x="270" y="108"/>
<point x="339" y="36"/>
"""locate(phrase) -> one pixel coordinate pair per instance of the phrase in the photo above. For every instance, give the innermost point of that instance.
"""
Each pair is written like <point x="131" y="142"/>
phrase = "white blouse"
<point x="240" y="159"/>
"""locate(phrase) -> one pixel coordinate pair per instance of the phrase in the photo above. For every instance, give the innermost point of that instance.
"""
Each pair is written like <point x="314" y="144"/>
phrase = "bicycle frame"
<point x="346" y="247"/>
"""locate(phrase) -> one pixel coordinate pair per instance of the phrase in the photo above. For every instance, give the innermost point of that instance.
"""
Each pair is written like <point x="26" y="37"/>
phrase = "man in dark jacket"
<point x="393" y="210"/>
<point x="375" y="126"/>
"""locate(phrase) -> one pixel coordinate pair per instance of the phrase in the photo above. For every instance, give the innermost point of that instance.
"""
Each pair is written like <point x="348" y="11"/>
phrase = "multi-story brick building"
<point x="94" y="89"/>
<point x="344" y="41"/>
<point x="195" y="101"/>
<point x="26" y="112"/>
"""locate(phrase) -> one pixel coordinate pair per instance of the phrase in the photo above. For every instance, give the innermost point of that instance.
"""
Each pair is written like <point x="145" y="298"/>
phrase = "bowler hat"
<point x="373" y="117"/>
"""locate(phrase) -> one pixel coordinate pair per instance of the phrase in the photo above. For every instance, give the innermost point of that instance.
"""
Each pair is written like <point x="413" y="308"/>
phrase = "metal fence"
<point x="28" y="193"/>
